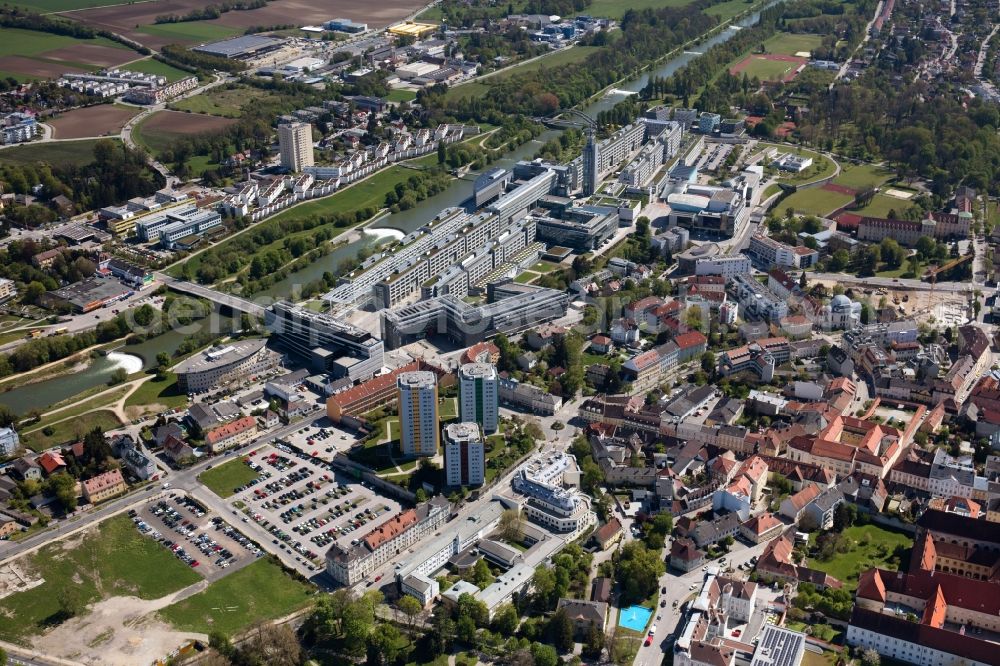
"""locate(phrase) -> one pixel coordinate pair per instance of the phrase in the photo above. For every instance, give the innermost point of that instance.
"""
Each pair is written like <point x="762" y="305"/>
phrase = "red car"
<point x="649" y="641"/>
<point x="737" y="632"/>
<point x="378" y="578"/>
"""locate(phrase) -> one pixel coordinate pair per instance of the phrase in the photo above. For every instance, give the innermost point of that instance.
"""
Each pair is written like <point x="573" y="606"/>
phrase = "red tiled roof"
<point x="390" y="529"/>
<point x="51" y="461"/>
<point x="223" y="432"/>
<point x="103" y="481"/>
<point x="690" y="339"/>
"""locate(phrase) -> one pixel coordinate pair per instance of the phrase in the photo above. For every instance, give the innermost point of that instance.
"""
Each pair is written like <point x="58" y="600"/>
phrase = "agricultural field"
<point x="112" y="559"/>
<point x="91" y="121"/>
<point x="261" y="591"/>
<point x="47" y="6"/>
<point x="58" y="152"/>
<point x="189" y="31"/>
<point x="152" y="66"/>
<point x="137" y="20"/>
<point x="222" y="101"/>
<point x="161" y="129"/>
<point x="787" y="43"/>
<point x="28" y="54"/>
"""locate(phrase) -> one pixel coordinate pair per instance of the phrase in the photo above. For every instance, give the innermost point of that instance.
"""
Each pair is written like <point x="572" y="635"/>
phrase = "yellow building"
<point x="412" y="29"/>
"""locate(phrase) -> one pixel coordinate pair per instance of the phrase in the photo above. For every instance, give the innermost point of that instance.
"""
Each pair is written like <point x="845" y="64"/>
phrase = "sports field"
<point x="787" y="43"/>
<point x="815" y="201"/>
<point x="882" y="204"/>
<point x="768" y="67"/>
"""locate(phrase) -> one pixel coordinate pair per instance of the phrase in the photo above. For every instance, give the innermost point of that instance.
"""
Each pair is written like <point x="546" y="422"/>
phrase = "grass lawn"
<point x="471" y="89"/>
<point x="545" y="267"/>
<point x="78" y="153"/>
<point x="220" y="101"/>
<point x="191" y="31"/>
<point x="71" y="429"/>
<point x="787" y="43"/>
<point x="113" y="559"/>
<point x="858" y="177"/>
<point x="871" y="546"/>
<point x="401" y="96"/>
<point x="156" y="392"/>
<point x="526" y="277"/>
<point x="816" y="201"/>
<point x="827" y="658"/>
<point x="368" y="192"/>
<point x="151" y="66"/>
<point x="260" y="591"/>
<point x="881" y="204"/>
<point x="225" y="478"/>
<point x="552" y="60"/>
<point x="448" y="409"/>
<point x="731" y="9"/>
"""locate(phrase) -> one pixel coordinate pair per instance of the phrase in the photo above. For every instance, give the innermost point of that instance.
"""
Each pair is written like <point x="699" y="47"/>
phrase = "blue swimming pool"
<point x="634" y="618"/>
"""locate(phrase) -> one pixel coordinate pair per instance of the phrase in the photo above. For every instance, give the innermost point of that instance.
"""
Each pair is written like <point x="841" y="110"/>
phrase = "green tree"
<point x="63" y="487"/>
<point x="384" y="645"/>
<point x="118" y="376"/>
<point x="594" y="644"/>
<point x="481" y="574"/>
<point x="544" y="655"/>
<point x="638" y="571"/>
<point x="442" y="153"/>
<point x="561" y="631"/>
<point x="505" y="620"/>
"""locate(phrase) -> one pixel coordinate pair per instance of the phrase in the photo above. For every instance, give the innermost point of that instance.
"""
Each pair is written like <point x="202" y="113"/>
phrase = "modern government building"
<point x="219" y="366"/>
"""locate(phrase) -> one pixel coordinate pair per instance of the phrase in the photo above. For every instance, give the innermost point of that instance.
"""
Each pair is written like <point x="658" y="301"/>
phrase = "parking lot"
<point x="322" y="439"/>
<point x="305" y="506"/>
<point x="209" y="545"/>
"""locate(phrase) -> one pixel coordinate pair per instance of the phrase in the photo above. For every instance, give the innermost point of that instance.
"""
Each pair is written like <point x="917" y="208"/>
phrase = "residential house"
<point x="104" y="486"/>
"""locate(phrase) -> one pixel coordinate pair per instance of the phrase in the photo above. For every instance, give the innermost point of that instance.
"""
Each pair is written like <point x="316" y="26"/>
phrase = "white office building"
<point x="295" y="143"/>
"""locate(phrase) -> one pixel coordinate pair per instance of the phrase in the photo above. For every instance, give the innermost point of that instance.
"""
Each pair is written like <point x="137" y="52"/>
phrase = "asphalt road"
<point x="677" y="590"/>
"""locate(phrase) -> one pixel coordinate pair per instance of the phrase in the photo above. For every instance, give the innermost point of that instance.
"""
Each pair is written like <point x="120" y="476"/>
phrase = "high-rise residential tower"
<point x="418" y="413"/>
<point x="479" y="395"/>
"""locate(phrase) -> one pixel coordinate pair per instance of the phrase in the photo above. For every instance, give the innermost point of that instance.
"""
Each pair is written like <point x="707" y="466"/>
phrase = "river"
<point x="132" y="358"/>
<point x="389" y="227"/>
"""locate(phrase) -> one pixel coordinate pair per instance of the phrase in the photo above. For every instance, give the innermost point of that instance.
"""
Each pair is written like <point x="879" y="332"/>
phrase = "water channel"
<point x="41" y="394"/>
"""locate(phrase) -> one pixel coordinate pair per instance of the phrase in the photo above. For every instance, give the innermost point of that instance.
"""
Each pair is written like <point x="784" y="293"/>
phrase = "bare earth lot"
<point x="99" y="56"/>
<point x="36" y="68"/>
<point x="92" y="121"/>
<point x="162" y="128"/>
<point x="123" y="19"/>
